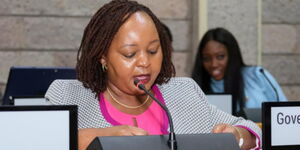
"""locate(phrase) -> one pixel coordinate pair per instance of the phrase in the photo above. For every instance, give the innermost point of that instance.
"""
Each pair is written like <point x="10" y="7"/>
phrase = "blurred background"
<point x="48" y="33"/>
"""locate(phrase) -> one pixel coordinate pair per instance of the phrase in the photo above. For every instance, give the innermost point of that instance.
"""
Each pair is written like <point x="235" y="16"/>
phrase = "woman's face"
<point x="135" y="53"/>
<point x="215" y="59"/>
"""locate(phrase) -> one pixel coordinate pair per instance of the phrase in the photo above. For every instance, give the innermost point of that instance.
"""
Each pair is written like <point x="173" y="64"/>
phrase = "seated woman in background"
<point x="125" y="41"/>
<point x="219" y="68"/>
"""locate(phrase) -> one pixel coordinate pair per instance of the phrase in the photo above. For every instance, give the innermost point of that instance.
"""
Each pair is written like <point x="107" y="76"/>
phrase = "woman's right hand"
<point x="125" y="130"/>
<point x="85" y="136"/>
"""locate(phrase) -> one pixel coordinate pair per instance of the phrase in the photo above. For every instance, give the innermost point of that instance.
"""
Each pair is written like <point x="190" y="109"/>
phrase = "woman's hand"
<point x="85" y="136"/>
<point x="248" y="138"/>
<point x="125" y="130"/>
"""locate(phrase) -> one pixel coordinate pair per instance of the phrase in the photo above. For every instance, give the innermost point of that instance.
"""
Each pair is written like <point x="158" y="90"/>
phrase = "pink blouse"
<point x="154" y="119"/>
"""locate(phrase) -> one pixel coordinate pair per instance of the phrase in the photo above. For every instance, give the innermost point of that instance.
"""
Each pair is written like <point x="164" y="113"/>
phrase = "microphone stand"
<point x="262" y="71"/>
<point x="172" y="137"/>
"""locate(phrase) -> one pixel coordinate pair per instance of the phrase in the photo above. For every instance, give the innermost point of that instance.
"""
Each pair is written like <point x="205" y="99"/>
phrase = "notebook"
<point x="221" y="101"/>
<point x="38" y="127"/>
<point x="33" y="81"/>
<point x="281" y="125"/>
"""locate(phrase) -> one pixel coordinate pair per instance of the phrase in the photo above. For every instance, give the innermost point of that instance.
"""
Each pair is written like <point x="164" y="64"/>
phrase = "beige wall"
<point x="48" y="32"/>
<point x="281" y="43"/>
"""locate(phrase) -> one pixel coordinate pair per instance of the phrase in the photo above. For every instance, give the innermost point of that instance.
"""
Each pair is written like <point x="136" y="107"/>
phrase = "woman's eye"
<point x="220" y="57"/>
<point x="129" y="55"/>
<point x="152" y="51"/>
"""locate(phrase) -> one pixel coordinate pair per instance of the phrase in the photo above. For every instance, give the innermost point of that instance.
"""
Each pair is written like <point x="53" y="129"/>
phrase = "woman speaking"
<point x="123" y="42"/>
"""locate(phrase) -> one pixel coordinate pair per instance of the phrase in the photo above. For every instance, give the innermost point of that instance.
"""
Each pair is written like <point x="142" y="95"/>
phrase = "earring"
<point x="104" y="68"/>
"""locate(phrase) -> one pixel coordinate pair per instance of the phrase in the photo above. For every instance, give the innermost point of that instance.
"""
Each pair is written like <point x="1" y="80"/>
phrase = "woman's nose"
<point x="214" y="62"/>
<point x="143" y="60"/>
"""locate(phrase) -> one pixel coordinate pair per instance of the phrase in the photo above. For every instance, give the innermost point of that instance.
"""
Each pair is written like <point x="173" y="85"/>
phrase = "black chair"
<point x="33" y="81"/>
<point x="1" y="97"/>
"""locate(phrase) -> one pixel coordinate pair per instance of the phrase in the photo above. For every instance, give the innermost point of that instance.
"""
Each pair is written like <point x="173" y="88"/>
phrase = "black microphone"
<point x="172" y="137"/>
<point x="276" y="92"/>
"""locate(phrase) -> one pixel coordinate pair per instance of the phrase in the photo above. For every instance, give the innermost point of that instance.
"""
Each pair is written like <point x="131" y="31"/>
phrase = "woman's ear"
<point x="103" y="60"/>
<point x="103" y="64"/>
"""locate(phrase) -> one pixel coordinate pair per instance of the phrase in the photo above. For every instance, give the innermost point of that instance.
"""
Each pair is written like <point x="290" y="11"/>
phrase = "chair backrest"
<point x="253" y="114"/>
<point x="33" y="81"/>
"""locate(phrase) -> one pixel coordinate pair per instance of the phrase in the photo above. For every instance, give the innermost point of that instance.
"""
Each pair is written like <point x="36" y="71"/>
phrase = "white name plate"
<point x="285" y="125"/>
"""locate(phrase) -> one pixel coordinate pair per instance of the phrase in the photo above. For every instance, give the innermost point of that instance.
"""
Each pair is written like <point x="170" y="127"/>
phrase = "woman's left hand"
<point x="227" y="128"/>
<point x="249" y="140"/>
